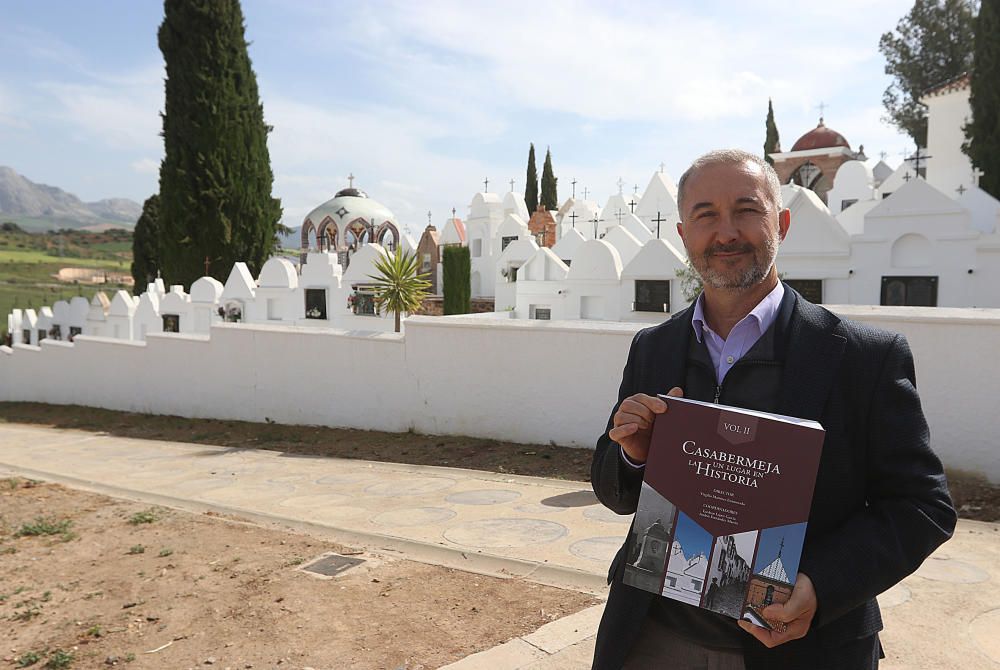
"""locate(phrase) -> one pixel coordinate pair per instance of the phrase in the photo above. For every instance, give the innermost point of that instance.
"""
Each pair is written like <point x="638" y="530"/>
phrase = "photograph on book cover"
<point x="688" y="562"/>
<point x="649" y="542"/>
<point x="729" y="573"/>
<point x="774" y="571"/>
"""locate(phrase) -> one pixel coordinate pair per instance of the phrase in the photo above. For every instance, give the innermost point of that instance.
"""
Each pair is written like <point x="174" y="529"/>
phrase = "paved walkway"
<point x="553" y="532"/>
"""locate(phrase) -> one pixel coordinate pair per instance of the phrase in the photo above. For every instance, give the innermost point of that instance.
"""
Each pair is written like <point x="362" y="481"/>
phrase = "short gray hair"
<point x="731" y="157"/>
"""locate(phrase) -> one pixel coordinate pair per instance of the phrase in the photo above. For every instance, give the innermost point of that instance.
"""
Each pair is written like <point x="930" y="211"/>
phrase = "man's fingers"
<point x="623" y="418"/>
<point x="623" y="431"/>
<point x="770" y="638"/>
<point x="676" y="392"/>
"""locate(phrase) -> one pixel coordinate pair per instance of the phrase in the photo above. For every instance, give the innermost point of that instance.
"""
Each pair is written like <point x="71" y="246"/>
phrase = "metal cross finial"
<point x="976" y="174"/>
<point x="428" y="217"/>
<point x="486" y="185"/>
<point x="619" y="214"/>
<point x="511" y="185"/>
<point x="822" y="109"/>
<point x="586" y="192"/>
<point x="621" y="183"/>
<point x="635" y="189"/>
<point x="572" y="218"/>
<point x="453" y="212"/>
<point x="882" y="155"/>
<point x="596" y="221"/>
<point x="781" y="547"/>
<point x="350" y="179"/>
<point x="961" y="189"/>
<point x="662" y="165"/>
<point x="917" y="158"/>
<point x="631" y="205"/>
<point x="574" y="187"/>
<point x="658" y="220"/>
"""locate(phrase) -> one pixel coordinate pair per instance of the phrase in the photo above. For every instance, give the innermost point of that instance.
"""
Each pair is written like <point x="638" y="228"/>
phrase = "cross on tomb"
<point x="586" y="191"/>
<point x="511" y="185"/>
<point x="961" y="189"/>
<point x="631" y="205"/>
<point x="619" y="214"/>
<point x="572" y="218"/>
<point x="621" y="183"/>
<point x="662" y="165"/>
<point x="907" y="177"/>
<point x="596" y="221"/>
<point x="486" y="185"/>
<point x="574" y="187"/>
<point x="917" y="158"/>
<point x="658" y="220"/>
<point x="350" y="179"/>
<point x="453" y="212"/>
<point x="883" y="154"/>
<point x="322" y="240"/>
<point x="635" y="189"/>
<point x="976" y="174"/>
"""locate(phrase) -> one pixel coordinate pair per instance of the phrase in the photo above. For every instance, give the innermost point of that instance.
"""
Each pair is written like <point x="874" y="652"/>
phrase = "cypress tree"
<point x="550" y="200"/>
<point x="771" y="140"/>
<point x="457" y="268"/>
<point x="531" y="183"/>
<point x="983" y="131"/>
<point x="145" y="244"/>
<point x="215" y="179"/>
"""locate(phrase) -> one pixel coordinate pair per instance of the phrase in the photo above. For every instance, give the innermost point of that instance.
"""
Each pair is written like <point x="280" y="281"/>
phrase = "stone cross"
<point x="631" y="205"/>
<point x="621" y="183"/>
<point x="976" y="174"/>
<point x="350" y="179"/>
<point x="658" y="220"/>
<point x="574" y="187"/>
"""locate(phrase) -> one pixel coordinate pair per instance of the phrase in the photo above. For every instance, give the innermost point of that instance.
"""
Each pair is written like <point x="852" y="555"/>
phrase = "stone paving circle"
<point x="500" y="533"/>
<point x="483" y="497"/>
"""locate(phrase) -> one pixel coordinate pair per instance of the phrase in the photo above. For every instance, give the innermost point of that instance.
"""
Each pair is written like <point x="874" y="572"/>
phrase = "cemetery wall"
<point x="517" y="380"/>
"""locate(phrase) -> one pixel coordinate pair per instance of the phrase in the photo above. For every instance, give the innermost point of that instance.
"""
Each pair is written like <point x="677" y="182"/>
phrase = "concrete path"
<point x="553" y="532"/>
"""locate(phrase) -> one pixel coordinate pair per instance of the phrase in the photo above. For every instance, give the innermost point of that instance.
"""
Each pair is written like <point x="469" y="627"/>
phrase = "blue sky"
<point x="422" y="101"/>
<point x="770" y="541"/>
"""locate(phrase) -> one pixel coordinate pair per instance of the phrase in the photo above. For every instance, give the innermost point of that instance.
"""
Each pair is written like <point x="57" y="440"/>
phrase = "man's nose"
<point x="726" y="229"/>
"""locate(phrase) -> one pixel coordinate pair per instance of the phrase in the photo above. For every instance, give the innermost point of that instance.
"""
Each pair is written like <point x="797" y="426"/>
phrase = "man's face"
<point x="730" y="227"/>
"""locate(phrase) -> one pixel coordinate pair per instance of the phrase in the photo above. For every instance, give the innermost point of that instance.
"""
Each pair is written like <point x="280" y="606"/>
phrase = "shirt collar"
<point x="764" y="313"/>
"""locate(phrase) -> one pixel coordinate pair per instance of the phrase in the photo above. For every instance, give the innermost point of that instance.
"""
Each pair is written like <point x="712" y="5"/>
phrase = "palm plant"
<point x="398" y="286"/>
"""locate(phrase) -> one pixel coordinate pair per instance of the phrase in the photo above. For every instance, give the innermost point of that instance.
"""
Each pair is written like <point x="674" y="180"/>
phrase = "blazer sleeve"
<point x="908" y="511"/>
<point x="616" y="483"/>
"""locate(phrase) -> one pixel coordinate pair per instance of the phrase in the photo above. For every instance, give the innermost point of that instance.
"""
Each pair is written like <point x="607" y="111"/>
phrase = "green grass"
<point x="28" y="659"/>
<point x="34" y="256"/>
<point x="59" y="659"/>
<point x="136" y="549"/>
<point x="42" y="526"/>
<point x="145" y="516"/>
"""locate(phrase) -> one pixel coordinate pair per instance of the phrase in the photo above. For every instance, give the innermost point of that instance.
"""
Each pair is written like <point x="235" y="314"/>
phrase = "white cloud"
<point x="121" y="110"/>
<point x="146" y="166"/>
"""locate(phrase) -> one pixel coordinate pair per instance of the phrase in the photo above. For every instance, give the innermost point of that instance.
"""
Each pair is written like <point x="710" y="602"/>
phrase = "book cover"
<point x="722" y="514"/>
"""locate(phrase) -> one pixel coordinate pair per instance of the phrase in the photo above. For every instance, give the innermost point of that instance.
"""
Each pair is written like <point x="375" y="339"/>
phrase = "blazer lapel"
<point x="813" y="351"/>
<point x="669" y="354"/>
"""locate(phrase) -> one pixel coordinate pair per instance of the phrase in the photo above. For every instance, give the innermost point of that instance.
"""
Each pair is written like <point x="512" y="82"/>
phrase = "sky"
<point x="423" y="101"/>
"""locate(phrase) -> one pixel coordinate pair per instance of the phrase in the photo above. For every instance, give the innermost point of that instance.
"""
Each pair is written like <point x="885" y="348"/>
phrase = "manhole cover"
<point x="332" y="565"/>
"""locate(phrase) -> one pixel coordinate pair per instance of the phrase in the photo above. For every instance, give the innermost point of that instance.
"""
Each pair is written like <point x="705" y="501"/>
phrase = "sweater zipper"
<point x="746" y="361"/>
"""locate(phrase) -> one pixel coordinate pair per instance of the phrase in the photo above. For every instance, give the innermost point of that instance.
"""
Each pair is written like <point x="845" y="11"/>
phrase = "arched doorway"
<point x="387" y="236"/>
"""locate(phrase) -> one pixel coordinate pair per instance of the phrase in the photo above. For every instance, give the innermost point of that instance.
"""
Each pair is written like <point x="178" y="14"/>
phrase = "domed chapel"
<point x="346" y="222"/>
<point x="815" y="158"/>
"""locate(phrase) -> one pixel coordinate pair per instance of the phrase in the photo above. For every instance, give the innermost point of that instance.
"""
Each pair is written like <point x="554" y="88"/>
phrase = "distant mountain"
<point x="41" y="207"/>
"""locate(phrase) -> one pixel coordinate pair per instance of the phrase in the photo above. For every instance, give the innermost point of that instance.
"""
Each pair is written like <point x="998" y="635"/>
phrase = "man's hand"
<point x="633" y="423"/>
<point x="797" y="614"/>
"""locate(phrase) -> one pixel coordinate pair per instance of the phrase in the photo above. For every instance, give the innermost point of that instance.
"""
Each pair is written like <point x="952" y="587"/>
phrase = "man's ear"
<point x="680" y="230"/>
<point x="784" y="221"/>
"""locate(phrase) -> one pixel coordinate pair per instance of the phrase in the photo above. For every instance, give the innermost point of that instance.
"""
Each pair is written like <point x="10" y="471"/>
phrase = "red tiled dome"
<point x="820" y="137"/>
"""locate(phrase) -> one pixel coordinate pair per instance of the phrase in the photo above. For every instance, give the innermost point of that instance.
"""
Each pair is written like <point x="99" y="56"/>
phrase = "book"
<point x="724" y="506"/>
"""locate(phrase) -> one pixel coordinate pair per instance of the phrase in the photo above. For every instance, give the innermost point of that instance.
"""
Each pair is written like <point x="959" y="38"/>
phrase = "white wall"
<point x="518" y="380"/>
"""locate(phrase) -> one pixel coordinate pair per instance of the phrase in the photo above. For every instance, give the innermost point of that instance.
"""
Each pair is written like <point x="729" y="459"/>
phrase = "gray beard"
<point x="763" y="260"/>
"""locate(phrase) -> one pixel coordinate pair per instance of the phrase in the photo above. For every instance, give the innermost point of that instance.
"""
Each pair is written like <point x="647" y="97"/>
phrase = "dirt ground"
<point x="88" y="581"/>
<point x="974" y="497"/>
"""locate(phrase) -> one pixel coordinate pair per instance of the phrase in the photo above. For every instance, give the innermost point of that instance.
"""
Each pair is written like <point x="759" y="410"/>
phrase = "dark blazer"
<point x="881" y="503"/>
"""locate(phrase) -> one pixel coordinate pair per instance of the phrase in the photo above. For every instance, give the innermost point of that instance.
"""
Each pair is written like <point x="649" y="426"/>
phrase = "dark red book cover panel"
<point x="723" y="510"/>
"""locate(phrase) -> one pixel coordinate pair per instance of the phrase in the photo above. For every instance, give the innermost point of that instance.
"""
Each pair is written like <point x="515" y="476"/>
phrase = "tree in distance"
<point x="146" y="243"/>
<point x="215" y="179"/>
<point x="456" y="263"/>
<point x="398" y="286"/>
<point x="983" y="131"/>
<point x="931" y="44"/>
<point x="772" y="143"/>
<point x="531" y="183"/>
<point x="550" y="200"/>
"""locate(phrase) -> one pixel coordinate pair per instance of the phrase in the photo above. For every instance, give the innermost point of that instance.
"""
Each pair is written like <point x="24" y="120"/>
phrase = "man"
<point x="881" y="504"/>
